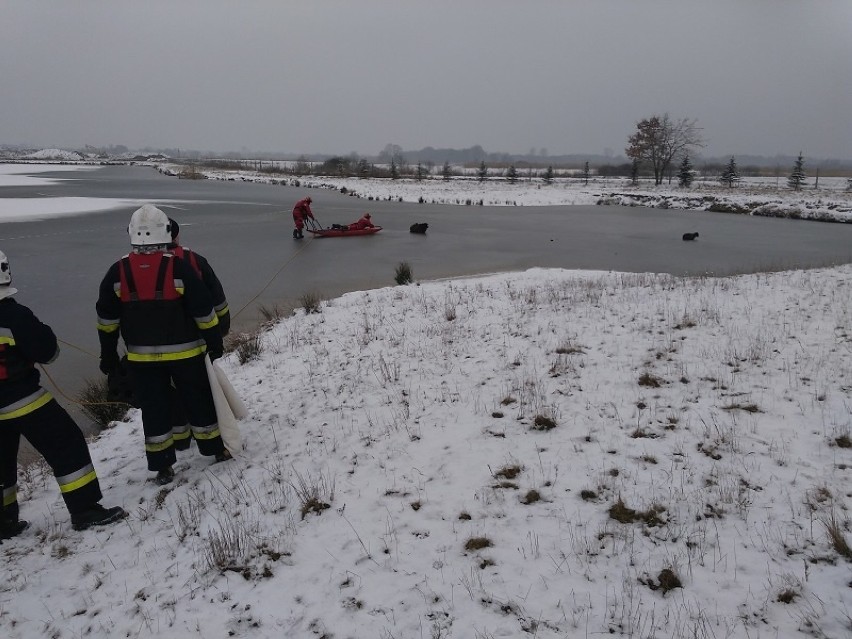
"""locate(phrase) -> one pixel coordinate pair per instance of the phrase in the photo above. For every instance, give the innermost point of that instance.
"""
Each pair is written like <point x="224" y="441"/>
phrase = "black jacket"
<point x="161" y="308"/>
<point x="24" y="341"/>
<point x="208" y="276"/>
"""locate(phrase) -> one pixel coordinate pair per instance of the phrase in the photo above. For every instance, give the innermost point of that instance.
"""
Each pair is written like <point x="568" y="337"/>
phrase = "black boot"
<point x="165" y="476"/>
<point x="225" y="455"/>
<point x="96" y="515"/>
<point x="295" y="234"/>
<point x="11" y="529"/>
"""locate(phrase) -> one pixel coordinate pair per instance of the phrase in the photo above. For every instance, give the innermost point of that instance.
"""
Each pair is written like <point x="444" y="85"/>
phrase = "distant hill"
<point x="473" y="155"/>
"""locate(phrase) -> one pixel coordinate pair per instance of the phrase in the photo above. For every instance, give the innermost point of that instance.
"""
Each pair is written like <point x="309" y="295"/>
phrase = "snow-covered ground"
<point x="548" y="453"/>
<point x="541" y="454"/>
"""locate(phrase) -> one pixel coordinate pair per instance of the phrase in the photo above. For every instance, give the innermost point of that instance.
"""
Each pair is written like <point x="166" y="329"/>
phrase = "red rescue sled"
<point x="344" y="233"/>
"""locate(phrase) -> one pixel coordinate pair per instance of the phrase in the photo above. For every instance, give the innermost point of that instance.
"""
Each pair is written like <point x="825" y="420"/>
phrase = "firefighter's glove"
<point x="215" y="352"/>
<point x="109" y="363"/>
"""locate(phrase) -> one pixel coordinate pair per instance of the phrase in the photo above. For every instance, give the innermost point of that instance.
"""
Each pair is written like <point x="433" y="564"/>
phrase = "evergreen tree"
<point x="512" y="174"/>
<point x="730" y="175"/>
<point x="363" y="168"/>
<point x="483" y="171"/>
<point x="797" y="178"/>
<point x="548" y="175"/>
<point x="685" y="174"/>
<point x="586" y="173"/>
<point x="634" y="172"/>
<point x="447" y="171"/>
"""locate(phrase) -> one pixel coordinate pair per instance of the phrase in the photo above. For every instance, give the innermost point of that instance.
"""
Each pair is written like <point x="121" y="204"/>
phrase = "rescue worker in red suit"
<point x="301" y="212"/>
<point x="164" y="313"/>
<point x="364" y="222"/>
<point x="28" y="409"/>
<point x="119" y="385"/>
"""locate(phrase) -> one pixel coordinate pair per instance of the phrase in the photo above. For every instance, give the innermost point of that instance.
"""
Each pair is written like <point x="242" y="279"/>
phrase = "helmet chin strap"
<point x="150" y="248"/>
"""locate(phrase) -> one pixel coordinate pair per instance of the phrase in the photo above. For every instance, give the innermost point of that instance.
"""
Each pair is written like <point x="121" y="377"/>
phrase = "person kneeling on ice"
<point x="364" y="222"/>
<point x="28" y="409"/>
<point x="164" y="313"/>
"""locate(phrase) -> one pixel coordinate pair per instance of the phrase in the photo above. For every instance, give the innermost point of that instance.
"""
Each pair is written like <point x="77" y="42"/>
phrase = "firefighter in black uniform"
<point x="206" y="273"/>
<point x="119" y="384"/>
<point x="165" y="315"/>
<point x="28" y="409"/>
<point x="180" y="425"/>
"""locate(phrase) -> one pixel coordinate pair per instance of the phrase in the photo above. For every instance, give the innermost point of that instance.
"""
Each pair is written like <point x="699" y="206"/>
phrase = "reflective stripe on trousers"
<point x="206" y="432"/>
<point x="77" y="479"/>
<point x="158" y="442"/>
<point x="26" y="405"/>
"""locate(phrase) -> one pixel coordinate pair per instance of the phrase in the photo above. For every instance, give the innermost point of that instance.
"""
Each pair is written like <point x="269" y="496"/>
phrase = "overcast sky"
<point x="761" y="77"/>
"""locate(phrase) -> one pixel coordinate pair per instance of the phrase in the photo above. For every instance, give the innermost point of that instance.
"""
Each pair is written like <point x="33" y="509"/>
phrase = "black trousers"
<point x="53" y="433"/>
<point x="152" y="383"/>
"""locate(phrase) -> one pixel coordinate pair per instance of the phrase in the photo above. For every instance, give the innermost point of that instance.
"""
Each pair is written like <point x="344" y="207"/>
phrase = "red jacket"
<point x="363" y="223"/>
<point x="302" y="210"/>
<point x="161" y="308"/>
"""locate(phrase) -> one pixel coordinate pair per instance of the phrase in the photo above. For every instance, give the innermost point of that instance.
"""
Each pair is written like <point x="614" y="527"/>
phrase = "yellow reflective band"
<point x="179" y="290"/>
<point x="29" y="408"/>
<point x="213" y="434"/>
<point x="7" y="340"/>
<point x="10" y="496"/>
<point x="88" y="478"/>
<point x="180" y="435"/>
<point x="210" y="324"/>
<point x="223" y="311"/>
<point x="107" y="328"/>
<point x="156" y="447"/>
<point x="165" y="357"/>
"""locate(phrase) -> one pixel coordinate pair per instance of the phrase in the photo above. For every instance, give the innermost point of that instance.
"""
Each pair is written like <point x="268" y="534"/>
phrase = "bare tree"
<point x="659" y="139"/>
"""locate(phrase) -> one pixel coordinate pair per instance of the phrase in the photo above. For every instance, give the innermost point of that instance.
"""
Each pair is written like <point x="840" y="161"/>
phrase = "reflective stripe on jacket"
<point x="24" y="341"/>
<point x="160" y="306"/>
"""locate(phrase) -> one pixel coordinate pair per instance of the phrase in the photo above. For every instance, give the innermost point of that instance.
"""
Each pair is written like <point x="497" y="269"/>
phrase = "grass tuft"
<point x="531" y="497"/>
<point x="311" y="302"/>
<point x="508" y="472"/>
<point x="314" y="494"/>
<point x="96" y="405"/>
<point x="650" y="380"/>
<point x="836" y="537"/>
<point x="271" y="314"/>
<point x="668" y="580"/>
<point x="247" y="346"/>
<point x="403" y="274"/>
<point x="542" y="422"/>
<point x="748" y="408"/>
<point x="477" y="543"/>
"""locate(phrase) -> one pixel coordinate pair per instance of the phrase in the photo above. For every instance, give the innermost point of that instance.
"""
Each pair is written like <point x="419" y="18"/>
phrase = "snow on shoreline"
<point x="758" y="196"/>
<point x="754" y="196"/>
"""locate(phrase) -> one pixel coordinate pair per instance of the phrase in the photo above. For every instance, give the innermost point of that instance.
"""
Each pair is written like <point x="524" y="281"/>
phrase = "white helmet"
<point x="5" y="277"/>
<point x="149" y="226"/>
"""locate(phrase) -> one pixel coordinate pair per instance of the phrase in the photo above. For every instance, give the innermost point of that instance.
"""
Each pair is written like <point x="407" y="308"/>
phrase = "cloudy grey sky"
<point x="336" y="76"/>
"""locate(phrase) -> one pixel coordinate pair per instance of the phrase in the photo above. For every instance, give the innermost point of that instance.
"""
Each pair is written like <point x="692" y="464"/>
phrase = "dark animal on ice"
<point x="688" y="237"/>
<point x="419" y="227"/>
